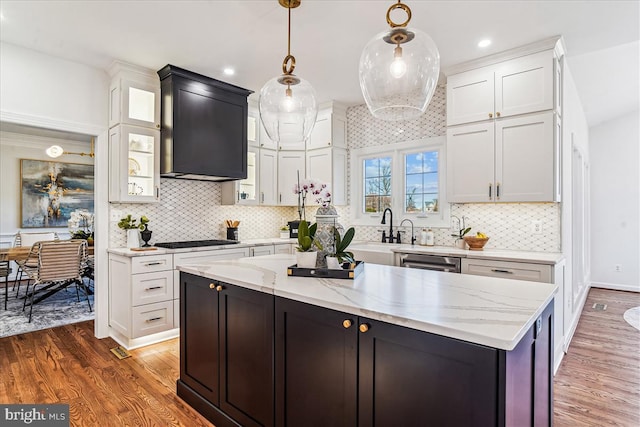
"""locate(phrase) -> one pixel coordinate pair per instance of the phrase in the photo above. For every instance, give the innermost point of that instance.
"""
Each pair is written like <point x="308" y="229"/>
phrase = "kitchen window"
<point x="377" y="184"/>
<point x="406" y="177"/>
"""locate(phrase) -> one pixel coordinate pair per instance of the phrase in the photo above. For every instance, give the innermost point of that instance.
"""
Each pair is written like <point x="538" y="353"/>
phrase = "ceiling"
<point x="601" y="38"/>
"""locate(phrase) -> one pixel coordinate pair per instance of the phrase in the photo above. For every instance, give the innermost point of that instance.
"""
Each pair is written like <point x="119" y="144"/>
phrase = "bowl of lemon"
<point x="477" y="242"/>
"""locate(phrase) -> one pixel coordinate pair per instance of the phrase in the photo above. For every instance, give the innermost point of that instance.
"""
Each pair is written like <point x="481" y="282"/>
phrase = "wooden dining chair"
<point x="60" y="264"/>
<point x="29" y="239"/>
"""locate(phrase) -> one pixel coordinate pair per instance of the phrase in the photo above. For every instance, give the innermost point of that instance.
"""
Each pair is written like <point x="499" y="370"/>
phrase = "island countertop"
<point x="482" y="310"/>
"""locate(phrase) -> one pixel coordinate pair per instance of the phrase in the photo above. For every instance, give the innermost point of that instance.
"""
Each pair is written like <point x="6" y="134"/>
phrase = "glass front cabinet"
<point x="134" y="174"/>
<point x="134" y="134"/>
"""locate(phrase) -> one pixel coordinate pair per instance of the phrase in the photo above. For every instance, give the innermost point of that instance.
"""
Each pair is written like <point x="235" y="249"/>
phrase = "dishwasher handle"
<point x="434" y="267"/>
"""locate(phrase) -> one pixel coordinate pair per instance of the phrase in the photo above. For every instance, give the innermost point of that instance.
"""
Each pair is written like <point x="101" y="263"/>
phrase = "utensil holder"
<point x="232" y="233"/>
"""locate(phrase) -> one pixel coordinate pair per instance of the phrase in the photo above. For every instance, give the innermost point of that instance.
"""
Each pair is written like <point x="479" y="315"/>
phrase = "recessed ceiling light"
<point x="229" y="71"/>
<point x="484" y="43"/>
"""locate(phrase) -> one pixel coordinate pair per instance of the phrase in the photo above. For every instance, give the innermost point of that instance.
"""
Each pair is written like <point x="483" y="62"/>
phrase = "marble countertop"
<point x="493" y="254"/>
<point x="482" y="310"/>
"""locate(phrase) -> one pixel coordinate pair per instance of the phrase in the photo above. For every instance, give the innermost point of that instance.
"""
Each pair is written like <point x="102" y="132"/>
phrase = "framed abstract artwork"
<point x="50" y="191"/>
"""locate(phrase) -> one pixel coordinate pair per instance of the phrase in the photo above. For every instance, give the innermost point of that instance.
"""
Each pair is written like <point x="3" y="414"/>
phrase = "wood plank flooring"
<point x="598" y="383"/>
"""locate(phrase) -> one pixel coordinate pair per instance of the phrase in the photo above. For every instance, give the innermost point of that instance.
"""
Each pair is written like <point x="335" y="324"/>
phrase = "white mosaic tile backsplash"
<point x="191" y="210"/>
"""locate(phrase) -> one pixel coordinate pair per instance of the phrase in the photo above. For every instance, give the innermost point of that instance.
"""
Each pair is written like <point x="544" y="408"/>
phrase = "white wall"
<point x="46" y="91"/>
<point x="615" y="203"/>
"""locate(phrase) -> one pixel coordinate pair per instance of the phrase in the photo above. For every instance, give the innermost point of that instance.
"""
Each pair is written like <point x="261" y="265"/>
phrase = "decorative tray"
<point x="350" y="273"/>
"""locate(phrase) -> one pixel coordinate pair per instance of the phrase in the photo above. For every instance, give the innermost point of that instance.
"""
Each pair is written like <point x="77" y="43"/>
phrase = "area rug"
<point x="60" y="309"/>
<point x="632" y="316"/>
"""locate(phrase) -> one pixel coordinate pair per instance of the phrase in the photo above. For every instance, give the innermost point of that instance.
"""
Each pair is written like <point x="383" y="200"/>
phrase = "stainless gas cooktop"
<point x="195" y="244"/>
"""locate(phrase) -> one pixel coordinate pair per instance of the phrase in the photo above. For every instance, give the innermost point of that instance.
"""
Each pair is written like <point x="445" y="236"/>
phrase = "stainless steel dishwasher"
<point x="447" y="264"/>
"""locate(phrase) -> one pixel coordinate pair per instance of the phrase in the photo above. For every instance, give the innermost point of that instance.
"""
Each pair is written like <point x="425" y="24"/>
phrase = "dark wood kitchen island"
<point x="394" y="347"/>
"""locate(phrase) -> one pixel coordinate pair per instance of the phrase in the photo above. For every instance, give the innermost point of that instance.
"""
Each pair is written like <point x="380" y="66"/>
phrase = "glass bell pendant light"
<point x="399" y="70"/>
<point x="287" y="104"/>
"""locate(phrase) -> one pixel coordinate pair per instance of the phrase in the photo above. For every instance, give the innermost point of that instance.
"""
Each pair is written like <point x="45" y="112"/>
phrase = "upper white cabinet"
<point x="504" y="128"/>
<point x="244" y="191"/>
<point x="330" y="129"/>
<point x="134" y="97"/>
<point x="517" y="86"/>
<point x="291" y="170"/>
<point x="134" y="164"/>
<point x="511" y="160"/>
<point x="329" y="165"/>
<point x="134" y="134"/>
<point x="268" y="173"/>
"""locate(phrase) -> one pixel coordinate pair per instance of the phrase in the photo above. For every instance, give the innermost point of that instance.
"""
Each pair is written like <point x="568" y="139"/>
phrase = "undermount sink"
<point x="375" y="253"/>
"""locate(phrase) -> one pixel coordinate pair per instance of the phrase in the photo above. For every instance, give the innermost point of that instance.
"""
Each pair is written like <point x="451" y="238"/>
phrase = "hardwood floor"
<point x="68" y="365"/>
<point x="598" y="383"/>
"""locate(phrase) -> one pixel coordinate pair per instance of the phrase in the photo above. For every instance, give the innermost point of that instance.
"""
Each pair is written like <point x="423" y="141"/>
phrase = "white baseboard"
<point x="133" y="343"/>
<point x="557" y="358"/>
<point x="615" y="286"/>
<point x="576" y="317"/>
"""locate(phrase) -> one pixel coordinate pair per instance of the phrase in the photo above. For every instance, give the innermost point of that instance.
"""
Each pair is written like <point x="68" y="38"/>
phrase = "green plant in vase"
<point x="342" y="243"/>
<point x="306" y="234"/>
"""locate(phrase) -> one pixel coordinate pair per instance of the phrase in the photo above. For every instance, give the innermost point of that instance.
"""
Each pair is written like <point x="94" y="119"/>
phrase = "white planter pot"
<point x="333" y="263"/>
<point x="460" y="244"/>
<point x="133" y="238"/>
<point x="306" y="259"/>
<point x="284" y="234"/>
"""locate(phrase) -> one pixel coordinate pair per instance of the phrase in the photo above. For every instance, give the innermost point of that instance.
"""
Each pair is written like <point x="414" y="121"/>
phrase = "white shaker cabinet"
<point x="509" y="160"/>
<point x="329" y="165"/>
<point x="291" y="166"/>
<point x="141" y="299"/>
<point x="518" y="86"/>
<point x="268" y="173"/>
<point x="330" y="129"/>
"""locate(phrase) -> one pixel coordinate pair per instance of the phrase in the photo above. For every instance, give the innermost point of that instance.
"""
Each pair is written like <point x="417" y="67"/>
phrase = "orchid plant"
<point x="315" y="188"/>
<point x="80" y="224"/>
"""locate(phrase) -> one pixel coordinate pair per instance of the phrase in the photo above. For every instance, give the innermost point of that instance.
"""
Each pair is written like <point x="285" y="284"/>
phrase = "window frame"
<point x="397" y="153"/>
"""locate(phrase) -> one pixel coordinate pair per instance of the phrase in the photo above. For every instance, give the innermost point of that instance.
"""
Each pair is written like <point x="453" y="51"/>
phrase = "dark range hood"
<point x="204" y="127"/>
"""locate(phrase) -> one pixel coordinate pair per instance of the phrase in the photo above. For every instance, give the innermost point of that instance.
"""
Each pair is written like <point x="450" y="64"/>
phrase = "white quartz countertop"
<point x="493" y="254"/>
<point x="482" y="310"/>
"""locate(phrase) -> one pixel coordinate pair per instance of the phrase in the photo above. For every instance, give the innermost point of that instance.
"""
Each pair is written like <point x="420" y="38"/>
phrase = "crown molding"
<point x="50" y="123"/>
<point x="556" y="43"/>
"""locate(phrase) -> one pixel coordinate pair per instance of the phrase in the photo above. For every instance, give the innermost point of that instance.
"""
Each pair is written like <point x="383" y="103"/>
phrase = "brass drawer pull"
<point x="495" y="270"/>
<point x="364" y="328"/>
<point x="153" y="287"/>
<point x="347" y="323"/>
<point x="153" y="319"/>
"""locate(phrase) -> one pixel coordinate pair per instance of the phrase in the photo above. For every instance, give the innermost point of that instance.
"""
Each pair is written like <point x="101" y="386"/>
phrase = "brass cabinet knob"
<point x="498" y="114"/>
<point x="219" y="288"/>
<point x="490" y="115"/>
<point x="157" y="126"/>
<point x="212" y="285"/>
<point x="347" y="323"/>
<point x="364" y="327"/>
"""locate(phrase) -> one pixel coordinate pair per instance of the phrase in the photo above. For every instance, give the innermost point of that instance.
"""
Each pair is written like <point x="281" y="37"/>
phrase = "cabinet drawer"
<point x="152" y="318"/>
<point x="148" y="264"/>
<point x="151" y="287"/>
<point x="186" y="258"/>
<point x="508" y="270"/>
